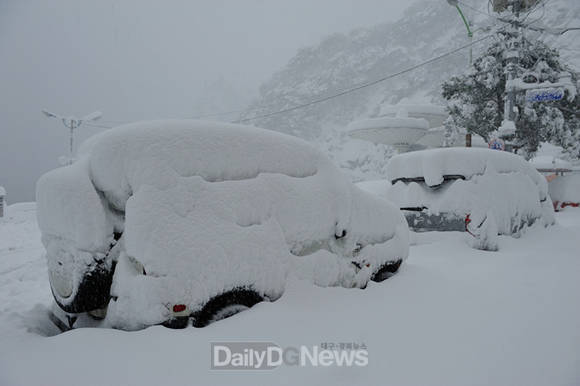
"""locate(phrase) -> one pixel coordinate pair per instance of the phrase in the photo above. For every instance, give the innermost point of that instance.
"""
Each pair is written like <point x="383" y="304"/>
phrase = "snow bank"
<point x="519" y="293"/>
<point x="204" y="208"/>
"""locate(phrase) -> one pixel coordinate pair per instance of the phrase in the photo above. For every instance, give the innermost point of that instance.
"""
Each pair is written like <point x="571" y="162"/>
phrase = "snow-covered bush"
<point x="188" y="210"/>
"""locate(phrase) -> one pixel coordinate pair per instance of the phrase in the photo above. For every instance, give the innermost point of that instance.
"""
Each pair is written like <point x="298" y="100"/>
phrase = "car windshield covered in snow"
<point x="162" y="221"/>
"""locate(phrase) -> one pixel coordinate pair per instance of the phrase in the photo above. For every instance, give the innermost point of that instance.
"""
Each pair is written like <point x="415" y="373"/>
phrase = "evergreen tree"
<point x="476" y="99"/>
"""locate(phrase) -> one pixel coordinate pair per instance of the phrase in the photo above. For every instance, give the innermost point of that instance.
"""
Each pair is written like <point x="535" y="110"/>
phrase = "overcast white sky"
<point x="140" y="59"/>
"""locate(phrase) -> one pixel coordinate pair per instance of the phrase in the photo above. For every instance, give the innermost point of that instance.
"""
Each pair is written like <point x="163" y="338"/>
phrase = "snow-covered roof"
<point x="390" y="122"/>
<point x="434" y="114"/>
<point x="414" y="109"/>
<point x="389" y="130"/>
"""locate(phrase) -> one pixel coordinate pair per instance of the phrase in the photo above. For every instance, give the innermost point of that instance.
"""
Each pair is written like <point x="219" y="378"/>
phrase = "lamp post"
<point x="455" y="3"/>
<point x="2" y="196"/>
<point x="73" y="123"/>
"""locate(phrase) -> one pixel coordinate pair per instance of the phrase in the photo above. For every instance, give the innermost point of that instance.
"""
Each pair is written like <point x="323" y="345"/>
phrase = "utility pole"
<point x="512" y="58"/>
<point x="455" y="3"/>
<point x="507" y="130"/>
<point x="73" y="123"/>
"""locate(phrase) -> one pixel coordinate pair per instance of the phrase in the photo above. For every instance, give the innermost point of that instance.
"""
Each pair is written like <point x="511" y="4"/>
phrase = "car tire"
<point x="225" y="305"/>
<point x="177" y="323"/>
<point x="386" y="271"/>
<point x="92" y="293"/>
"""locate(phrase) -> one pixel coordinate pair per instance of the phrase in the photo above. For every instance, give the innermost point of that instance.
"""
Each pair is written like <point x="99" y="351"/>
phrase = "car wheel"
<point x="177" y="323"/>
<point x="386" y="271"/>
<point x="91" y="294"/>
<point x="225" y="305"/>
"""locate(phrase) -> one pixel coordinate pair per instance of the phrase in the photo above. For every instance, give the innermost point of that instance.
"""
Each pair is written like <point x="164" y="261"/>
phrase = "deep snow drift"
<point x="451" y="316"/>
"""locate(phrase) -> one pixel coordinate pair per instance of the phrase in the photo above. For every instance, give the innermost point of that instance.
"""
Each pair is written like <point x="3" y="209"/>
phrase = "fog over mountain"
<point x="426" y="30"/>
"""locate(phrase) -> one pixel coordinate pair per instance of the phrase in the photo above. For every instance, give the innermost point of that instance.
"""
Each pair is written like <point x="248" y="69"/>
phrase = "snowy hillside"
<point x="427" y="29"/>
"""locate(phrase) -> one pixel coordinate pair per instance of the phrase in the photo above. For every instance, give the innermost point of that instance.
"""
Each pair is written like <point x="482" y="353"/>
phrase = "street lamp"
<point x="73" y="123"/>
<point x="455" y="3"/>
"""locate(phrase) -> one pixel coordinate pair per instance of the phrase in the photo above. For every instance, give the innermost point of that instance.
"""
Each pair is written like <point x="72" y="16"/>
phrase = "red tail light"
<point x="179" y="308"/>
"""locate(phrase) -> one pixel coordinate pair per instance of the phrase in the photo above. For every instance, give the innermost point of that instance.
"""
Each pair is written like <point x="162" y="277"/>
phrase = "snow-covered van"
<point x="164" y="222"/>
<point x="465" y="189"/>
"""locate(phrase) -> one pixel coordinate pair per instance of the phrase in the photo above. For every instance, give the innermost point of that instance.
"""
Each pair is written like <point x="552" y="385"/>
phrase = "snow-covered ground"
<point x="451" y="316"/>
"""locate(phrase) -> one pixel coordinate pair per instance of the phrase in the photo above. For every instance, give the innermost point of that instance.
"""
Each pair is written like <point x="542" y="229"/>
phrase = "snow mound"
<point x="204" y="208"/>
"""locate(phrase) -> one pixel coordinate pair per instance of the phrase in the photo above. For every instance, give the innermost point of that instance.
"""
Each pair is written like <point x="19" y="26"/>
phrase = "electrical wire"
<point x="323" y="99"/>
<point x="476" y="10"/>
<point x="363" y="85"/>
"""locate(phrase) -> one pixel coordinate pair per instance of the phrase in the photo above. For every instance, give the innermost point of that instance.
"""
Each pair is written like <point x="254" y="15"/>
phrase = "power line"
<point x="475" y="9"/>
<point x="364" y="85"/>
<point x="324" y="99"/>
<point x="246" y="110"/>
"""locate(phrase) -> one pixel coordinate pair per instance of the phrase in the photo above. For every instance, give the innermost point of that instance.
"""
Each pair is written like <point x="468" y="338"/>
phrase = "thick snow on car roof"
<point x="434" y="164"/>
<point x="136" y="154"/>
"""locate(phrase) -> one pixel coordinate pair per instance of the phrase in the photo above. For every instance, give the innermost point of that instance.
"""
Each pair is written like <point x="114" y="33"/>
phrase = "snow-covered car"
<point x="468" y="189"/>
<point x="165" y="221"/>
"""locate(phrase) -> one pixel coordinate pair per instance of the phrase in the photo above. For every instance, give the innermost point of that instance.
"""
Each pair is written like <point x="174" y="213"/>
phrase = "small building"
<point x="563" y="180"/>
<point x="2" y="200"/>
